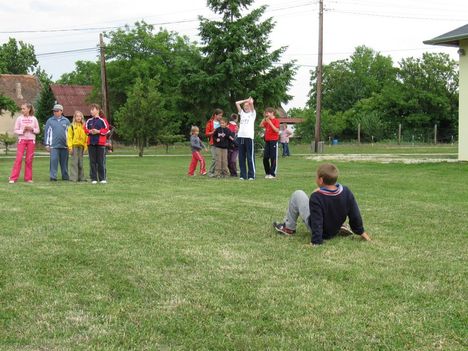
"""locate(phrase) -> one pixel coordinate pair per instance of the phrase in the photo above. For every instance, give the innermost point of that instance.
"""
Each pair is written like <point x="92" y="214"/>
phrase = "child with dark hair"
<point x="222" y="137"/>
<point x="210" y="127"/>
<point x="325" y="212"/>
<point x="233" y="150"/>
<point x="270" y="153"/>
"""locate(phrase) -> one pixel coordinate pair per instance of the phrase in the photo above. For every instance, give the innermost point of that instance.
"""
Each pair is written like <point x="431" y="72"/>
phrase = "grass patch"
<point x="157" y="260"/>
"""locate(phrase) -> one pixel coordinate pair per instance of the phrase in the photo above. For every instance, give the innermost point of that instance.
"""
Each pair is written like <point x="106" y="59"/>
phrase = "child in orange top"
<point x="26" y="127"/>
<point x="77" y="146"/>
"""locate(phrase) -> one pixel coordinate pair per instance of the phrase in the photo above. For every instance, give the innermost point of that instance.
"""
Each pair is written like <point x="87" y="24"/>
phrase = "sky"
<point x="64" y="32"/>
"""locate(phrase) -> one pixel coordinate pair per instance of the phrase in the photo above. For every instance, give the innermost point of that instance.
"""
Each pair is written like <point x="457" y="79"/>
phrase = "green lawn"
<point x="155" y="260"/>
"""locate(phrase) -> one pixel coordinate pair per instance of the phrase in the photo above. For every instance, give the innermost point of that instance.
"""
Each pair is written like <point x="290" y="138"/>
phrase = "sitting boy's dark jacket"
<point x="328" y="211"/>
<point x="224" y="135"/>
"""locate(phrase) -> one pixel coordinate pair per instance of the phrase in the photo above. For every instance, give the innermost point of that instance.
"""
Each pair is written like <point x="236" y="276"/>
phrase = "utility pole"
<point x="319" y="80"/>
<point x="104" y="91"/>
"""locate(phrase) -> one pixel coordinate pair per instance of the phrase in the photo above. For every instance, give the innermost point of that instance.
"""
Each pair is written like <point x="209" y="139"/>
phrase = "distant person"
<point x="26" y="128"/>
<point x="222" y="137"/>
<point x="197" y="146"/>
<point x="325" y="212"/>
<point x="285" y="134"/>
<point x="270" y="153"/>
<point x="210" y="127"/>
<point x="245" y="138"/>
<point x="56" y="142"/>
<point x="77" y="142"/>
<point x="97" y="128"/>
<point x="233" y="150"/>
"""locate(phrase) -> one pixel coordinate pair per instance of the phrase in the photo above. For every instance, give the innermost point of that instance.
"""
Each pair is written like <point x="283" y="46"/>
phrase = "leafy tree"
<point x="7" y="104"/>
<point x="345" y="82"/>
<point x="46" y="100"/>
<point x="165" y="56"/>
<point x="17" y="57"/>
<point x="237" y="60"/>
<point x="85" y="73"/>
<point x="7" y="140"/>
<point x="143" y="117"/>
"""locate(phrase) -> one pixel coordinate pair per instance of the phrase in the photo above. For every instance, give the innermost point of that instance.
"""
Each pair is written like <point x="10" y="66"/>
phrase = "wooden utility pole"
<point x="104" y="91"/>
<point x="435" y="134"/>
<point x="319" y="79"/>
<point x="399" y="134"/>
<point x="359" y="133"/>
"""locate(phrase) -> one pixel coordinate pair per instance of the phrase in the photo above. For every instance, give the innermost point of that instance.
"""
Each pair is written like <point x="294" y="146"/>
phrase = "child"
<point x="211" y="126"/>
<point x="325" y="212"/>
<point x="270" y="153"/>
<point x="245" y="138"/>
<point x="197" y="146"/>
<point x="26" y="127"/>
<point x="77" y="146"/>
<point x="233" y="149"/>
<point x="285" y="133"/>
<point x="97" y="128"/>
<point x="222" y="136"/>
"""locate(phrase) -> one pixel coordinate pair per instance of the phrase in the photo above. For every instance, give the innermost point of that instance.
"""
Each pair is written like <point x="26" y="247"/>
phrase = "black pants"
<point x="96" y="162"/>
<point x="270" y="157"/>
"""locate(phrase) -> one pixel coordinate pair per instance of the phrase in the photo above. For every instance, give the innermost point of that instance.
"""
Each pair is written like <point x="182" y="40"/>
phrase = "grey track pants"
<point x="298" y="206"/>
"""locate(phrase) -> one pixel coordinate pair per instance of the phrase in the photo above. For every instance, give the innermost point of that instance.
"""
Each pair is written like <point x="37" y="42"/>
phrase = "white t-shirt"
<point x="247" y="124"/>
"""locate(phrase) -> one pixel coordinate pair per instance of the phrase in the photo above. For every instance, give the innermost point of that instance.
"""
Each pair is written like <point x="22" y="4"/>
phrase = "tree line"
<point x="368" y="90"/>
<point x="161" y="83"/>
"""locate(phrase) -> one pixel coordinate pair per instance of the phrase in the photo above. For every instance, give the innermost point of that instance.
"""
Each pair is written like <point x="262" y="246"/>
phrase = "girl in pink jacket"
<point x="26" y="127"/>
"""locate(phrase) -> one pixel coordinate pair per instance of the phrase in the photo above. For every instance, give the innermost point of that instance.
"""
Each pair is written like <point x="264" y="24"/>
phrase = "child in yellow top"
<point x="77" y="146"/>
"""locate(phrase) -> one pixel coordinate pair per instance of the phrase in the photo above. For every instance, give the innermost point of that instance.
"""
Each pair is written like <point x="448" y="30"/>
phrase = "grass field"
<point x="155" y="260"/>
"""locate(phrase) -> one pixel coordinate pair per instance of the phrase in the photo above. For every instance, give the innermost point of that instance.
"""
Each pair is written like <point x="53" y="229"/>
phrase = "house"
<point x="459" y="38"/>
<point x="72" y="98"/>
<point x="21" y="88"/>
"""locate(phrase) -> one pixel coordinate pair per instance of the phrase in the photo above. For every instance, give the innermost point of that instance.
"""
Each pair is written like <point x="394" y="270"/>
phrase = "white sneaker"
<point x="94" y="182"/>
<point x="11" y="182"/>
<point x="103" y="182"/>
<point x="251" y="179"/>
<point x="241" y="178"/>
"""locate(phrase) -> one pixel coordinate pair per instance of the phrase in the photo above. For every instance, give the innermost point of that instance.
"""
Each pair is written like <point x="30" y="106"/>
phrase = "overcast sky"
<point x="395" y="28"/>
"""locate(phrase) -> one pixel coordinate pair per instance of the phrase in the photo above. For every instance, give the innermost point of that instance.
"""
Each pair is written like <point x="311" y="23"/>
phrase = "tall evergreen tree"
<point x="237" y="60"/>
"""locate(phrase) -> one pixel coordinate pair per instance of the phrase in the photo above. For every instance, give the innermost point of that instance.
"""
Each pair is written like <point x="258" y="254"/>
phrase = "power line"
<point x="398" y="16"/>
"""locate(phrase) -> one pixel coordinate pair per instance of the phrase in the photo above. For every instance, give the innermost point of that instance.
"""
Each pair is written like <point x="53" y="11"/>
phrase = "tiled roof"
<point x="291" y="120"/>
<point x="451" y="38"/>
<point x="21" y="88"/>
<point x="72" y="98"/>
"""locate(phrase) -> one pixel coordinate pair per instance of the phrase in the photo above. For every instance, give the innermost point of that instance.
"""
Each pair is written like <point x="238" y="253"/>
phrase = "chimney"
<point x="19" y="94"/>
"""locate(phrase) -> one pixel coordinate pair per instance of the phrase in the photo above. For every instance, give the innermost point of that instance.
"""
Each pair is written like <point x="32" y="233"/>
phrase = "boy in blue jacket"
<point x="325" y="212"/>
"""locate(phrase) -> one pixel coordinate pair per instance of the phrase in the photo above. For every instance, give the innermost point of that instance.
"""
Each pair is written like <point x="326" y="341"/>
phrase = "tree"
<point x="237" y="61"/>
<point x="345" y="82"/>
<point x="7" y="104"/>
<point x="164" y="56"/>
<point x="143" y="116"/>
<point x="85" y="73"/>
<point x="7" y="141"/>
<point x="17" y="57"/>
<point x="46" y="100"/>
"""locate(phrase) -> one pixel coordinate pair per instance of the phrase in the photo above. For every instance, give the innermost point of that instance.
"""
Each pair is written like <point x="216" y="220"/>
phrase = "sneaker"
<point x="281" y="228"/>
<point x="94" y="182"/>
<point x="204" y="173"/>
<point x="53" y="179"/>
<point x="251" y="178"/>
<point x="241" y="178"/>
<point x="345" y="230"/>
<point x="29" y="181"/>
<point x="11" y="182"/>
<point x="103" y="182"/>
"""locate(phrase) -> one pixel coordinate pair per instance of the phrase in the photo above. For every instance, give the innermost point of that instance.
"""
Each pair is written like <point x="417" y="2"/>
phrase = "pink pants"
<point x="197" y="157"/>
<point x="29" y="145"/>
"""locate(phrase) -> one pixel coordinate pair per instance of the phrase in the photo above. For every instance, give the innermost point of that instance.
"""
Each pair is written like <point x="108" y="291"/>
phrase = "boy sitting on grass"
<point x="325" y="212"/>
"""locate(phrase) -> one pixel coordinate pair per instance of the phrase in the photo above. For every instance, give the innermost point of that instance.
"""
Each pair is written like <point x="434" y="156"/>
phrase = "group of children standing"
<point x="230" y="142"/>
<point x="61" y="139"/>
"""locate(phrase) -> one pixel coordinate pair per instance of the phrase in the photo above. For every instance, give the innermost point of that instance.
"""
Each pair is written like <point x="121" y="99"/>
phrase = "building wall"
<point x="7" y="123"/>
<point x="463" y="105"/>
